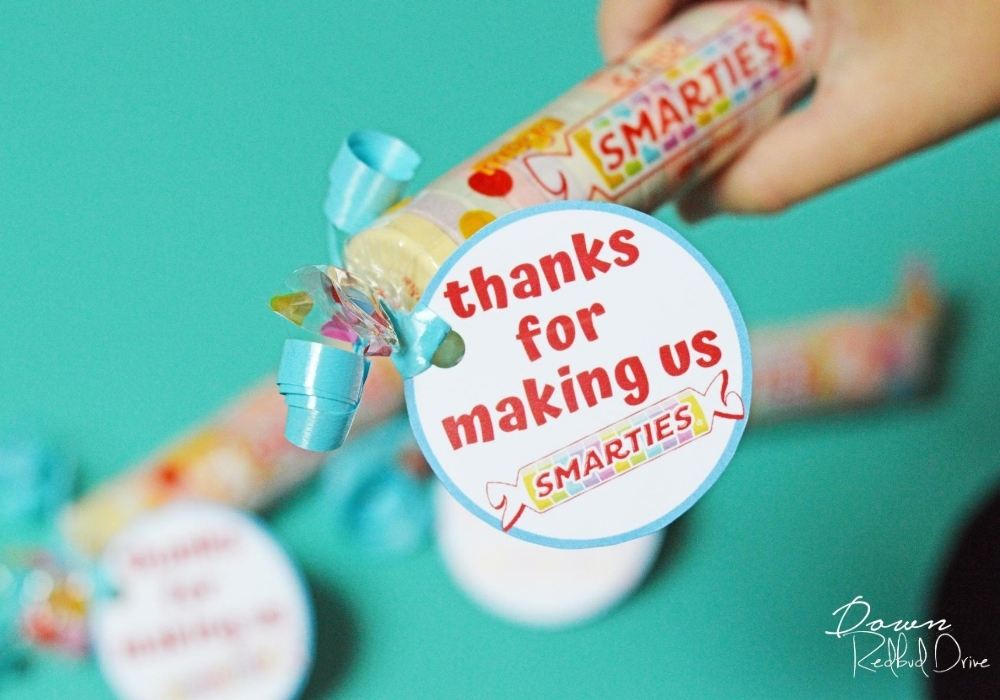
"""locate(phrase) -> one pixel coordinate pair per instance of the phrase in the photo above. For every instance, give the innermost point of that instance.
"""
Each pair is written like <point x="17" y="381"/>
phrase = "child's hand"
<point x="893" y="76"/>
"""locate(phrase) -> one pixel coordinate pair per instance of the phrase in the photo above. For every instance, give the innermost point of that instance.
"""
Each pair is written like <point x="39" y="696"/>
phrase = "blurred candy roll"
<point x="239" y="457"/>
<point x="850" y="358"/>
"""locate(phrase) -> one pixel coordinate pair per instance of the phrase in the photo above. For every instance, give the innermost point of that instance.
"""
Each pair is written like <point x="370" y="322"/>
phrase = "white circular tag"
<point x="534" y="585"/>
<point x="208" y="606"/>
<point x="606" y="378"/>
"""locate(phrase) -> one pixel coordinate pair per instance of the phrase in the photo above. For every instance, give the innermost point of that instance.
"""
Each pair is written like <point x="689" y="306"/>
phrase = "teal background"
<point x="162" y="168"/>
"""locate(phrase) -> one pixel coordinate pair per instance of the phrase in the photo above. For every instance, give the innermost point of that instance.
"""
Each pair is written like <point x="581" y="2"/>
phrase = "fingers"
<point x="879" y="98"/>
<point x="621" y="24"/>
<point x="832" y="140"/>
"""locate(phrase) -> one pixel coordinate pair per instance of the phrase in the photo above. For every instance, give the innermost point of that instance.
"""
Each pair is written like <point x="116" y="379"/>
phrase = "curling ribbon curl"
<point x="369" y="175"/>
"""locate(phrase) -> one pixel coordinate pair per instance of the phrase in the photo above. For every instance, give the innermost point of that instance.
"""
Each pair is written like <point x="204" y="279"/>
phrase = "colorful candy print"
<point x="676" y="110"/>
<point x="616" y="450"/>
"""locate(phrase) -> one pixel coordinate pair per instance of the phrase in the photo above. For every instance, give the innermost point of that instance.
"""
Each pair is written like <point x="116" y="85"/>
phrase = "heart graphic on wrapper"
<point x="496" y="184"/>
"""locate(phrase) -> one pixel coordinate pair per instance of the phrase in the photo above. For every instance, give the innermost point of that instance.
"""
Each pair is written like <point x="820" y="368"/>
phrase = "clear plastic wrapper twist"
<point x="671" y="114"/>
<point x="333" y="303"/>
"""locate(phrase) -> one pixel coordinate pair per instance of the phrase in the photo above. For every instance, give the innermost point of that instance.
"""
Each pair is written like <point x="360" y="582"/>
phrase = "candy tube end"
<point x="450" y="352"/>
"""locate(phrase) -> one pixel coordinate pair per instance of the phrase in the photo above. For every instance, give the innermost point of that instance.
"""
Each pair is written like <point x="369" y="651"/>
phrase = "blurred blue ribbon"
<point x="36" y="479"/>
<point x="370" y="495"/>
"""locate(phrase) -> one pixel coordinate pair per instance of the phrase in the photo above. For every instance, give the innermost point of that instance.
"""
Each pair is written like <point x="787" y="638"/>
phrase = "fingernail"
<point x="697" y="207"/>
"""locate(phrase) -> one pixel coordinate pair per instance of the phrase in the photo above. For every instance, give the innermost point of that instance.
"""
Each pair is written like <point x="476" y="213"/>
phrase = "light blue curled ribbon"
<point x="322" y="388"/>
<point x="420" y="333"/>
<point x="369" y="175"/>
<point x="321" y="384"/>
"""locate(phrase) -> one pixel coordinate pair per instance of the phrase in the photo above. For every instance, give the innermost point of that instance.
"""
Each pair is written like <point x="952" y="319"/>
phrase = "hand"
<point x="893" y="76"/>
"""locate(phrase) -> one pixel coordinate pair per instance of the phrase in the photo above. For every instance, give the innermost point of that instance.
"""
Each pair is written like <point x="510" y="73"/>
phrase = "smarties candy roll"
<point x="240" y="457"/>
<point x="847" y="359"/>
<point x="671" y="114"/>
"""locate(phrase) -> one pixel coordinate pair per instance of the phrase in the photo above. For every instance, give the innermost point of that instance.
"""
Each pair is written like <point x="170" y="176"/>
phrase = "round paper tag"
<point x="605" y="382"/>
<point x="534" y="585"/>
<point x="207" y="606"/>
